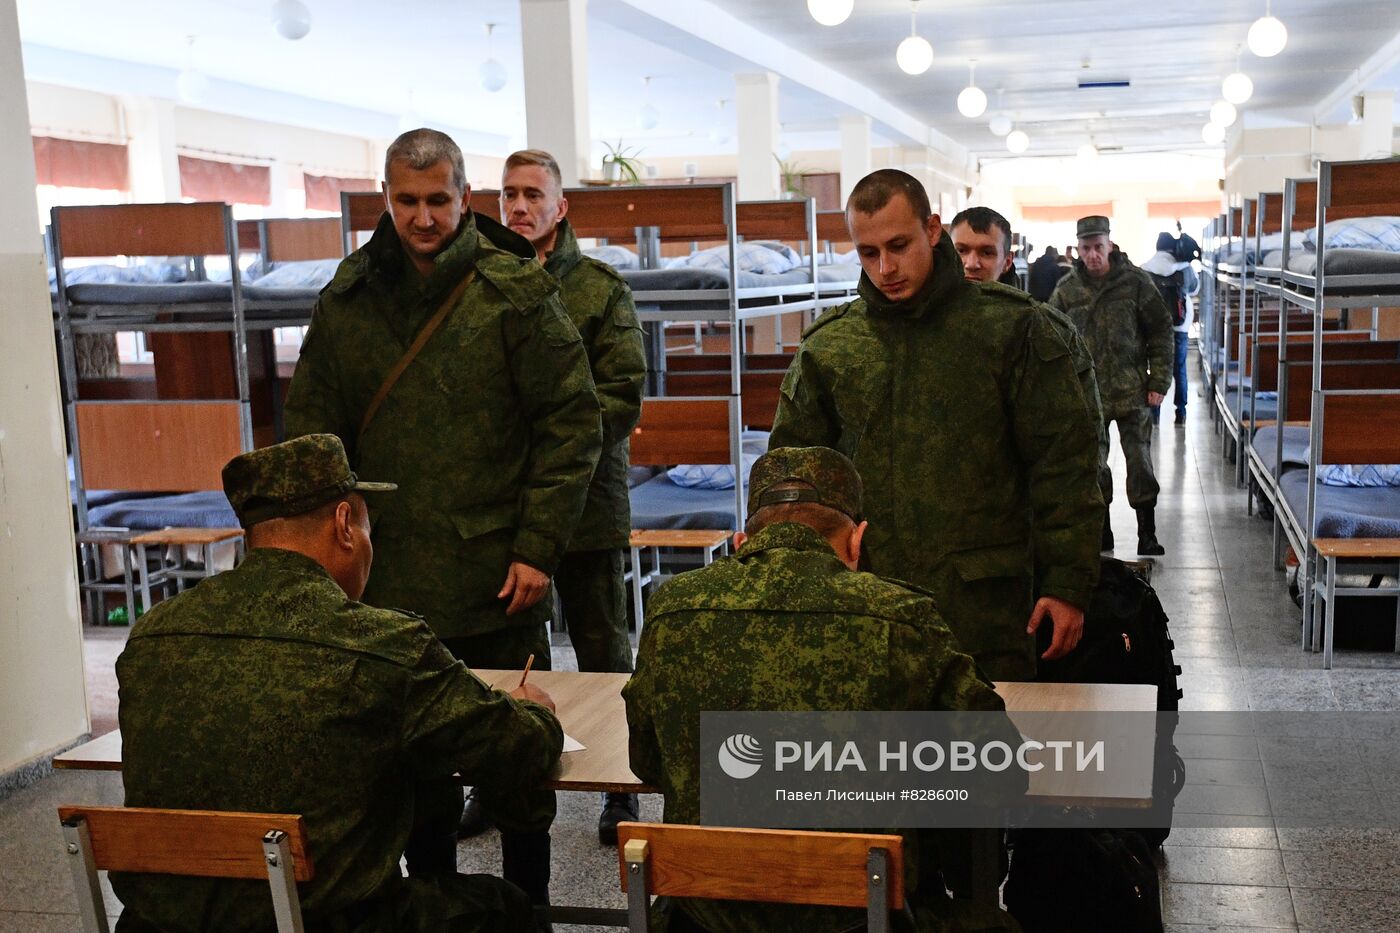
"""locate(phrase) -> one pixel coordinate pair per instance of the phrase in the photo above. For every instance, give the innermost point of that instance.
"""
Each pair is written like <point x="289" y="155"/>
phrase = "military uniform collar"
<point x="566" y="254"/>
<point x="788" y="535"/>
<point x="1118" y="266"/>
<point x="283" y="559"/>
<point x="942" y="284"/>
<point x="389" y="263"/>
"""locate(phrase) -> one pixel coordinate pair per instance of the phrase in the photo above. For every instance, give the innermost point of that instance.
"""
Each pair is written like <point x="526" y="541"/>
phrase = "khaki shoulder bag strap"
<point x="424" y="335"/>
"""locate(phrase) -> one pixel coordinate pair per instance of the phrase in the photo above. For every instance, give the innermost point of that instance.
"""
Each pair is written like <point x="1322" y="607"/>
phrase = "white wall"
<point x="41" y="661"/>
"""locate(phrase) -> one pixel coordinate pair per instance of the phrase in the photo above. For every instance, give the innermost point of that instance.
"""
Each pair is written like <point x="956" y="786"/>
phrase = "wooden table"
<point x="591" y="710"/>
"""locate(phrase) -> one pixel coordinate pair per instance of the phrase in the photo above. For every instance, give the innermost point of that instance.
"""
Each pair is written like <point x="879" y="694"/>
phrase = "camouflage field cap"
<point x="1093" y="225"/>
<point x="290" y="478"/>
<point x="833" y="477"/>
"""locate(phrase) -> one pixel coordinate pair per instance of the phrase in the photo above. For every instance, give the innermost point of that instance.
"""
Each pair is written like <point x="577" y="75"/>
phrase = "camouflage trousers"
<point x="1135" y="437"/>
<point x="594" y="599"/>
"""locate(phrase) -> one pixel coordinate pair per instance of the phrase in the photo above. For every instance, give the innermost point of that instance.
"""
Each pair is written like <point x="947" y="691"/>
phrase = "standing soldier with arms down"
<point x="441" y="355"/>
<point x="589" y="577"/>
<point x="1129" y="332"/>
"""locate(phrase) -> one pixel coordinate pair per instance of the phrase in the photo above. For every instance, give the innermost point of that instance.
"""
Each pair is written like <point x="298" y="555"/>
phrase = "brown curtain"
<point x="1171" y="210"/>
<point x="323" y="191"/>
<point x="71" y="163"/>
<point x="1056" y="213"/>
<point x="232" y="183"/>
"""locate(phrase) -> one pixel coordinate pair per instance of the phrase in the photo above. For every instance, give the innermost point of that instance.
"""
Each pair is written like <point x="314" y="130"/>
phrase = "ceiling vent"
<point x="1086" y="84"/>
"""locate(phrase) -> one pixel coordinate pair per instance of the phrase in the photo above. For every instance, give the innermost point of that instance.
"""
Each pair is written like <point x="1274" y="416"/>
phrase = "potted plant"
<point x="793" y="175"/>
<point x="621" y="164"/>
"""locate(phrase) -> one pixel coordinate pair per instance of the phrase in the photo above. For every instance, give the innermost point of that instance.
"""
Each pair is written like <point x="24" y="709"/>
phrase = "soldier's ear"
<point x="343" y="526"/>
<point x="852" y="555"/>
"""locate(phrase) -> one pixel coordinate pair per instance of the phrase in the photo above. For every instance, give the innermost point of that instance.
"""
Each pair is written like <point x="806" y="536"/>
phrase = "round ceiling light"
<point x="914" y="55"/>
<point x="1213" y="134"/>
<point x="493" y="75"/>
<point x="1223" y="113"/>
<point x="1000" y="124"/>
<point x="1268" y="35"/>
<point x="1237" y="88"/>
<point x="1017" y="141"/>
<point x="972" y="102"/>
<point x="830" y="12"/>
<point x="291" y="18"/>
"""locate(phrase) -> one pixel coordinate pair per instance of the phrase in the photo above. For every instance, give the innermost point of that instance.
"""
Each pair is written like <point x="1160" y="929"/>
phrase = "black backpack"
<point x="1077" y="880"/>
<point x="1126" y="641"/>
<point x="1169" y="287"/>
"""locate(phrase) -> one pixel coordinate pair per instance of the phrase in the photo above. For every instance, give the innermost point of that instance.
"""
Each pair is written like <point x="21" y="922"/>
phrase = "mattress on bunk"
<point x="185" y="293"/>
<point x="1345" y="511"/>
<point x="685" y="278"/>
<point x="659" y="504"/>
<point x="839" y="272"/>
<point x="1295" y="446"/>
<point x="1348" y="262"/>
<point x="1273" y="259"/>
<point x="1265" y="409"/>
<point x="184" y="510"/>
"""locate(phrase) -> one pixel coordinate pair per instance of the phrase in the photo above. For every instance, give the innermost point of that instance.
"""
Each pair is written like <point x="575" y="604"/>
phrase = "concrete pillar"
<point x="756" y="109"/>
<point x="280" y="175"/>
<point x="1378" y="125"/>
<point x="554" y="38"/>
<point x="41" y="647"/>
<point x="150" y="149"/>
<point x="855" y="151"/>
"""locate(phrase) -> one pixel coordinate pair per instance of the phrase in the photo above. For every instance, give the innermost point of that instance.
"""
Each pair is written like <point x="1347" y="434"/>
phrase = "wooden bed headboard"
<point x="1270" y="209"/>
<point x="682" y="212"/>
<point x="682" y="430"/>
<point x="200" y="229"/>
<point x="157" y="446"/>
<point x="1249" y="218"/>
<point x="1304" y="191"/>
<point x="487" y="201"/>
<point x="775" y="220"/>
<point x="831" y="227"/>
<point x="1361" y="426"/>
<point x="758" y="401"/>
<point x="360" y="210"/>
<point x="288" y="239"/>
<point x="1360" y="189"/>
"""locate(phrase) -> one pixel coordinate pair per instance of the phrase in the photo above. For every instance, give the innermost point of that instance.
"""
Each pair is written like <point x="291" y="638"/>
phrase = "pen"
<point x="529" y="663"/>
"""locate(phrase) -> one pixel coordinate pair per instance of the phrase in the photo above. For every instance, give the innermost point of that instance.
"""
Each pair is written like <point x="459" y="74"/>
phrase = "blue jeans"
<point x="1179" y="376"/>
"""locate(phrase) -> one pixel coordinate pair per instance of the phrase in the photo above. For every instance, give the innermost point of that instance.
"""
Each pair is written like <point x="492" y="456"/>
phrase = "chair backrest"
<point x="201" y="843"/>
<point x="771" y="865"/>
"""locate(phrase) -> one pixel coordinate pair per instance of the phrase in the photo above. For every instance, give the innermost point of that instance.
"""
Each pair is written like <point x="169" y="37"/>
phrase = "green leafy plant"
<point x="622" y="164"/>
<point x="793" y="176"/>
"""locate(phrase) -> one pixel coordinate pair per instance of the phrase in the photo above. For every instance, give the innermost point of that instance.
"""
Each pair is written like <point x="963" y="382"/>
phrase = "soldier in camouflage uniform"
<point x="589" y="578"/>
<point x="961" y="407"/>
<point x="271" y="689"/>
<point x="788" y="623"/>
<point x="492" y="432"/>
<point x="1129" y="332"/>
<point x="982" y="238"/>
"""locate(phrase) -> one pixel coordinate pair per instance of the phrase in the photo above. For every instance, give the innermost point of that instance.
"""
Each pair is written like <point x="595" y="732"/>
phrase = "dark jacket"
<point x="1045" y="272"/>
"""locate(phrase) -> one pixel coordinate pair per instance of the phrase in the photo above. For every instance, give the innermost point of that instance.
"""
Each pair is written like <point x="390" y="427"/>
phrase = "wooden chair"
<point x="200" y="843"/>
<point x="776" y="866"/>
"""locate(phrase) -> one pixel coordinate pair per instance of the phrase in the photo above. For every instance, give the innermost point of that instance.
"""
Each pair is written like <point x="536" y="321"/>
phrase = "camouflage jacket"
<point x="492" y="433"/>
<point x="783" y="625"/>
<point x="600" y="305"/>
<point x="962" y="411"/>
<point x="265" y="689"/>
<point x="1128" y="330"/>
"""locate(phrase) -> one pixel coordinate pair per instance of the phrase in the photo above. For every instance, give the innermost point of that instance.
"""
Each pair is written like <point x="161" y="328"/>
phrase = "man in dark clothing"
<point x="271" y="689"/>
<point x="1046" y="271"/>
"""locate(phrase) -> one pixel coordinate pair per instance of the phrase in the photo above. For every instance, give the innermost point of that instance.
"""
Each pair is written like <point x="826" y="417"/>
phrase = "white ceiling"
<point x="367" y="63"/>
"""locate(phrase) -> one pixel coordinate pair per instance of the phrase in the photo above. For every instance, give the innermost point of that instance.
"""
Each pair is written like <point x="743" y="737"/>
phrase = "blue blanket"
<point x="185" y="510"/>
<point x="1344" y="511"/>
<point x="661" y="504"/>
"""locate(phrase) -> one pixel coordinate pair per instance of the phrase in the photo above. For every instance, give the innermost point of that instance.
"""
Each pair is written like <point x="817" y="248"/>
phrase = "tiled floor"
<point x="1237" y="633"/>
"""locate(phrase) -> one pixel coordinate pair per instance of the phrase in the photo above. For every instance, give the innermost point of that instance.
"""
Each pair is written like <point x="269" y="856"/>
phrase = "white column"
<point x="554" y="38"/>
<point x="1378" y="124"/>
<point x="855" y="151"/>
<point x="279" y="178"/>
<point x="756" y="110"/>
<point x="41" y="648"/>
<point x="150" y="149"/>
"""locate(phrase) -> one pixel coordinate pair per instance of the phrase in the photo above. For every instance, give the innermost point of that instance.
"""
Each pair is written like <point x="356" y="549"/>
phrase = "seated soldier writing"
<point x="269" y="688"/>
<point x="788" y="623"/>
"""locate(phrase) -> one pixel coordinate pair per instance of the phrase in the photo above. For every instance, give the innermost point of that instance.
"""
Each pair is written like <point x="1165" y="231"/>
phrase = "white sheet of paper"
<point x="572" y="744"/>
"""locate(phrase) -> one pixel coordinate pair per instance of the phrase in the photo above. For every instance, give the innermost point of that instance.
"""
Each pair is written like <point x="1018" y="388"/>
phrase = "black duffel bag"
<point x="1082" y="880"/>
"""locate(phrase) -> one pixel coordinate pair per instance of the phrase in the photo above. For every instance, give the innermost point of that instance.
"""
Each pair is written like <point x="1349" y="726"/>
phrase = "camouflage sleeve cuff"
<point x="533" y="549"/>
<point x="1159" y="383"/>
<point x="1062" y="584"/>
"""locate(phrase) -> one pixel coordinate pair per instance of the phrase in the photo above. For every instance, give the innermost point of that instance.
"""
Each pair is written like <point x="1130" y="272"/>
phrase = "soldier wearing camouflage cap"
<point x="1128" y="328"/>
<point x="270" y="688"/>
<point x="589" y="578"/>
<point x="788" y="623"/>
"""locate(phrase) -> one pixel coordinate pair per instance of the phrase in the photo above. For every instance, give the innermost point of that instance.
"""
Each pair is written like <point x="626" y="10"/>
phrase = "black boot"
<point x="617" y="808"/>
<point x="525" y="864"/>
<point x="1147" y="533"/>
<point x="475" y="820"/>
<point x="1106" y="543"/>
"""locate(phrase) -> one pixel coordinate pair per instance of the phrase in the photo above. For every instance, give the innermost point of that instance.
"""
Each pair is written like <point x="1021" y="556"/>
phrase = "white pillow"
<point x="312" y="273"/>
<point x="753" y="445"/>
<point x="750" y="257"/>
<point x="619" y="257"/>
<point x="1382" y="233"/>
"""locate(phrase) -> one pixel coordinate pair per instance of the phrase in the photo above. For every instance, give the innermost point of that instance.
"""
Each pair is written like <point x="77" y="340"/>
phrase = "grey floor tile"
<point x="1201" y="830"/>
<point x="1366" y="690"/>
<point x="1231" y="905"/>
<point x="1190" y="745"/>
<point x="1358" y="869"/>
<point x="1336" y="909"/>
<point x="1225" y="771"/>
<point x="1384" y="842"/>
<point x="1219" y="865"/>
<point x="30" y="922"/>
<point x="1217" y="928"/>
<point x="1223" y="799"/>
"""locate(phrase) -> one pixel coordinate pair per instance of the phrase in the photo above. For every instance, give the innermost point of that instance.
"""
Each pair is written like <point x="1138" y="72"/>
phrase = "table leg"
<point x="1329" y="618"/>
<point x="128" y="584"/>
<point x="636" y="558"/>
<point x="143" y="567"/>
